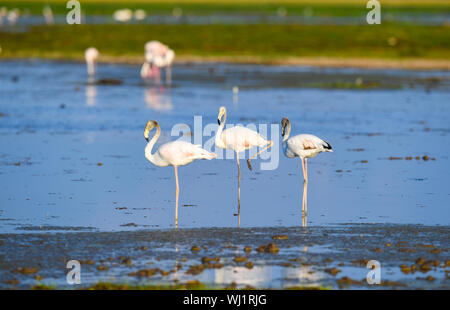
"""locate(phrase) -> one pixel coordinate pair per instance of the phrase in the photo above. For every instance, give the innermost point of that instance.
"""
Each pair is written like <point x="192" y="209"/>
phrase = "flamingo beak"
<point x="218" y="121"/>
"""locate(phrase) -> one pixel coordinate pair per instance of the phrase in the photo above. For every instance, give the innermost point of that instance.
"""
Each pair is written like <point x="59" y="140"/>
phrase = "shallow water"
<point x="55" y="129"/>
<point x="305" y="257"/>
<point x="247" y="19"/>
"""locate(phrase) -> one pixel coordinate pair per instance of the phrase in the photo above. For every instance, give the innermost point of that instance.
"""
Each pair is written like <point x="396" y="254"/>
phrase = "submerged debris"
<point x="280" y="237"/>
<point x="26" y="270"/>
<point x="270" y="248"/>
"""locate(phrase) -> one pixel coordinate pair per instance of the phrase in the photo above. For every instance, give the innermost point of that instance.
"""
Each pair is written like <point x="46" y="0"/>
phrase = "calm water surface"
<point x="72" y="154"/>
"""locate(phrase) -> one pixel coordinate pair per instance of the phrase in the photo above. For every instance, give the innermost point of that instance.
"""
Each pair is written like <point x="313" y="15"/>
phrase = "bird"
<point x="239" y="139"/>
<point x="139" y="14"/>
<point x="91" y="54"/>
<point x="123" y="15"/>
<point x="157" y="56"/>
<point x="48" y="15"/>
<point x="174" y="153"/>
<point x="304" y="146"/>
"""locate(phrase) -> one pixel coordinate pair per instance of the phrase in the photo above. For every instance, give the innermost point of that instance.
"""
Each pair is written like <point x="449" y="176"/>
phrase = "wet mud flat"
<point x="335" y="257"/>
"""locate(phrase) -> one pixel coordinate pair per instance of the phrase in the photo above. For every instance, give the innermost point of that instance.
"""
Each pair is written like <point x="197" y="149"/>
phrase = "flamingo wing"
<point x="305" y="144"/>
<point x="178" y="153"/>
<point x="241" y="138"/>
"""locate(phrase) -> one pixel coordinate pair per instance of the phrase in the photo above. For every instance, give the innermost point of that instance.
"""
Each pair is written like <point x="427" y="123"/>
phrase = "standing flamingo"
<point x="91" y="54"/>
<point x="175" y="153"/>
<point x="304" y="146"/>
<point x="157" y="56"/>
<point x="239" y="139"/>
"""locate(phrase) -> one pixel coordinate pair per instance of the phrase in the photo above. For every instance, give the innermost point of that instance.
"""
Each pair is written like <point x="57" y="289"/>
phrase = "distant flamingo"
<point x="123" y="15"/>
<point x="304" y="146"/>
<point x="91" y="54"/>
<point x="48" y="15"/>
<point x="239" y="139"/>
<point x="175" y="153"/>
<point x="157" y="56"/>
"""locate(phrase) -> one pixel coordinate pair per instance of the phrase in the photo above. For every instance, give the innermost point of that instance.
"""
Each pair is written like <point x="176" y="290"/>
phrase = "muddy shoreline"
<point x="411" y="257"/>
<point x="319" y="62"/>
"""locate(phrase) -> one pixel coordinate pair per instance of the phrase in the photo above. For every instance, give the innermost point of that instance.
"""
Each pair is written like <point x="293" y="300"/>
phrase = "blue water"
<point x="59" y="128"/>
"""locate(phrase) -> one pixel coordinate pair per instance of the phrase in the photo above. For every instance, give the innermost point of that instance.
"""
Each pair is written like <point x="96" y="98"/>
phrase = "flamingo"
<point x="48" y="15"/>
<point x="304" y="146"/>
<point x="239" y="139"/>
<point x="157" y="56"/>
<point x="123" y="15"/>
<point x="174" y="153"/>
<point x="91" y="54"/>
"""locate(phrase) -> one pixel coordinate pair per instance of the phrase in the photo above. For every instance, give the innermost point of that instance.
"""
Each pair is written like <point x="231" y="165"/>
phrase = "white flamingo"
<point x="239" y="139"/>
<point x="48" y="15"/>
<point x="3" y="14"/>
<point x="123" y="15"/>
<point x="91" y="54"/>
<point x="175" y="153"/>
<point x="304" y="146"/>
<point x="157" y="56"/>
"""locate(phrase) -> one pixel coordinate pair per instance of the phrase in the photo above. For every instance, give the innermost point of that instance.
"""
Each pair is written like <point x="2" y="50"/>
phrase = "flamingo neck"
<point x="287" y="131"/>
<point x="149" y="147"/>
<point x="219" y="141"/>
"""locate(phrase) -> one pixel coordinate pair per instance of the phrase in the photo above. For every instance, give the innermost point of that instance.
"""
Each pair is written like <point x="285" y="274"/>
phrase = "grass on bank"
<point x="264" y="43"/>
<point x="204" y="7"/>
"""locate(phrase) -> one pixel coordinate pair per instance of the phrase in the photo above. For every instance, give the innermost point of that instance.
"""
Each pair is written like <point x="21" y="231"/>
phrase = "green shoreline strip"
<point x="386" y="41"/>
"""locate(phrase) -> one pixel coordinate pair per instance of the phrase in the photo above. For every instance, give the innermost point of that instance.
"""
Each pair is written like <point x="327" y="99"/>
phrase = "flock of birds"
<point x="238" y="138"/>
<point x="12" y="15"/>
<point x="158" y="56"/>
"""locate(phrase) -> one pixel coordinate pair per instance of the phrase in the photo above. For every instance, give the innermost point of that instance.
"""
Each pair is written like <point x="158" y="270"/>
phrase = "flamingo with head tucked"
<point x="304" y="146"/>
<point x="175" y="153"/>
<point x="239" y="139"/>
<point x="157" y="56"/>
<point x="91" y="54"/>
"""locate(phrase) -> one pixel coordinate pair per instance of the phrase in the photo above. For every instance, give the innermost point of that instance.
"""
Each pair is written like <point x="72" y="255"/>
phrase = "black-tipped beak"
<point x="218" y="121"/>
<point x="146" y="138"/>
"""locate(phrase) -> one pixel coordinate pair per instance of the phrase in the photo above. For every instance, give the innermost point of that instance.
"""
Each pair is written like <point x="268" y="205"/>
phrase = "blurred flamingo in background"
<point x="3" y="14"/>
<point x="13" y="17"/>
<point x="157" y="56"/>
<point x="91" y="54"/>
<point x="175" y="153"/>
<point x="239" y="139"/>
<point x="304" y="146"/>
<point x="48" y="15"/>
<point x="123" y="15"/>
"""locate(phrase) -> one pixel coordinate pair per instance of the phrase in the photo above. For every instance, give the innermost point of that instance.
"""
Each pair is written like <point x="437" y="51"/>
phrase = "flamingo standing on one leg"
<point x="175" y="153"/>
<point x="157" y="56"/>
<point x="91" y="54"/>
<point x="239" y="139"/>
<point x="304" y="146"/>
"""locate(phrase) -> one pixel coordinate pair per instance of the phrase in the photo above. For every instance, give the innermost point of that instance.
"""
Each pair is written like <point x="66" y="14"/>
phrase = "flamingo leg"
<point x="177" y="192"/>
<point x="269" y="145"/>
<point x="169" y="75"/>
<point x="239" y="190"/>
<point x="306" y="187"/>
<point x="304" y="207"/>
<point x="304" y="182"/>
